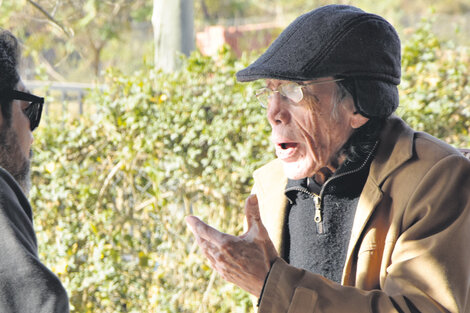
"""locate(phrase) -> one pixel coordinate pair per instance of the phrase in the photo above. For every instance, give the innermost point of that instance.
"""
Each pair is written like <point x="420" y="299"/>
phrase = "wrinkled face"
<point x="307" y="135"/>
<point x="15" y="143"/>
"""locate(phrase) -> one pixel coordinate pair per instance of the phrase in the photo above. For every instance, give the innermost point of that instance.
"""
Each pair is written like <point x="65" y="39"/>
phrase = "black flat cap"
<point x="340" y="41"/>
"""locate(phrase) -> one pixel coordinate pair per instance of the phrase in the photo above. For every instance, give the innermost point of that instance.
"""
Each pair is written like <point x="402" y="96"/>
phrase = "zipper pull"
<point x="318" y="217"/>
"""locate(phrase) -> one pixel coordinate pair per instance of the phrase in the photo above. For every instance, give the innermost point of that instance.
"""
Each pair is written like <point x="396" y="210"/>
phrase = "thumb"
<point x="252" y="211"/>
<point x="256" y="230"/>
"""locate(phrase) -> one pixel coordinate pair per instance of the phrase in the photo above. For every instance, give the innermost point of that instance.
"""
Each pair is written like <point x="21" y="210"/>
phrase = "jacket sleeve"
<point x="26" y="285"/>
<point x="429" y="268"/>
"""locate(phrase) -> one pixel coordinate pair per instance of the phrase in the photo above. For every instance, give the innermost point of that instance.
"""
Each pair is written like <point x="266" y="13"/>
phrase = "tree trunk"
<point x="173" y="25"/>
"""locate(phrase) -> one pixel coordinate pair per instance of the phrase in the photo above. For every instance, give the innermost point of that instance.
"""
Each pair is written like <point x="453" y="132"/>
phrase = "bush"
<point x="434" y="93"/>
<point x="114" y="187"/>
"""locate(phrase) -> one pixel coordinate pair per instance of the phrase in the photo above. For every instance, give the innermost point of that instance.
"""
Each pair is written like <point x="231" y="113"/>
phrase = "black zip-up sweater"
<point x="320" y="218"/>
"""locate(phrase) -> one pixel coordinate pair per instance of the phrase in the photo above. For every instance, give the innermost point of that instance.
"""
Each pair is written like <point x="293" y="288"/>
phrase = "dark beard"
<point x="13" y="160"/>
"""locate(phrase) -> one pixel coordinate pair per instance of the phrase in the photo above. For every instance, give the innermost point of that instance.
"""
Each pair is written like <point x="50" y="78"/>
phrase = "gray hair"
<point x="339" y="95"/>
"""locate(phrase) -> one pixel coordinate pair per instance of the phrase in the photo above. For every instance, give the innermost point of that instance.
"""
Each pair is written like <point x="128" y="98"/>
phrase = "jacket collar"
<point x="395" y="148"/>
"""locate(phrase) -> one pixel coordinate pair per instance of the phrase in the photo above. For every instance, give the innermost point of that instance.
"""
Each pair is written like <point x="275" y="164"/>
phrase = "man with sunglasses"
<point x="358" y="213"/>
<point x="26" y="285"/>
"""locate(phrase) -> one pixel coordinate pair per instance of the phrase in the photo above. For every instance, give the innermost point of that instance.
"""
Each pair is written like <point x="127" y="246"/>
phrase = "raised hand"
<point x="244" y="260"/>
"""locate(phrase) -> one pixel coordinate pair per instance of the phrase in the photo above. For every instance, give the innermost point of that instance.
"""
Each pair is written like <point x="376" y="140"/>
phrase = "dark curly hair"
<point x="9" y="77"/>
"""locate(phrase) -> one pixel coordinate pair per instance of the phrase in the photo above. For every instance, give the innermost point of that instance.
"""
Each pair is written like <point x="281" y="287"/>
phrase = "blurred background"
<point x="145" y="123"/>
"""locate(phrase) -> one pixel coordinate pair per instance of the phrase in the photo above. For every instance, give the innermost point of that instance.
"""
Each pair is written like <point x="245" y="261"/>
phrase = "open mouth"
<point x="286" y="150"/>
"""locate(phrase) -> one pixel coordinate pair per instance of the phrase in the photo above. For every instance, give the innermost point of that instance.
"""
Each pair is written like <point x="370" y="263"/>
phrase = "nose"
<point x="277" y="111"/>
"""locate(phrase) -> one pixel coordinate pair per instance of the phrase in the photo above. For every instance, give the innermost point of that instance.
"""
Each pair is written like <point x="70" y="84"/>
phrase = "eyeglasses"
<point x="292" y="91"/>
<point x="33" y="111"/>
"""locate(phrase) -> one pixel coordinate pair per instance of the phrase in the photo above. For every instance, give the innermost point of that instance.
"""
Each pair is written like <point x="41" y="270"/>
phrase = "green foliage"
<point x="434" y="93"/>
<point x="75" y="39"/>
<point x="112" y="189"/>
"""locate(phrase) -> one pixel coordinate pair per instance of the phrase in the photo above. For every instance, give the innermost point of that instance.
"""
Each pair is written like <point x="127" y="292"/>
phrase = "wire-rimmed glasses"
<point x="292" y="91"/>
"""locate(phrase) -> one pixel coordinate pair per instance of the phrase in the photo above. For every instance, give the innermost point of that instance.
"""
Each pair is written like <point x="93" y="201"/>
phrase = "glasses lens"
<point x="263" y="96"/>
<point x="292" y="91"/>
<point x="33" y="112"/>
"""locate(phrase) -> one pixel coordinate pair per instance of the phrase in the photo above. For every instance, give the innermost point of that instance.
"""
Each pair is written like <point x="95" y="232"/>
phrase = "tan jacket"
<point x="410" y="243"/>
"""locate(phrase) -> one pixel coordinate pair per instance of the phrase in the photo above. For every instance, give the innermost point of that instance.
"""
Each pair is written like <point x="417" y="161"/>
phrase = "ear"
<point x="357" y="120"/>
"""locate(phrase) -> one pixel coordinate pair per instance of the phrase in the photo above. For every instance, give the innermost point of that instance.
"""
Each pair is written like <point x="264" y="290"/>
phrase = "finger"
<point x="208" y="249"/>
<point x="205" y="231"/>
<point x="191" y="221"/>
<point x="218" y="259"/>
<point x="252" y="211"/>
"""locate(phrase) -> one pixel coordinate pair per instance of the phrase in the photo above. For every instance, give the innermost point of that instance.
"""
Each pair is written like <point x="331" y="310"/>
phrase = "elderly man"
<point x="26" y="285"/>
<point x="358" y="213"/>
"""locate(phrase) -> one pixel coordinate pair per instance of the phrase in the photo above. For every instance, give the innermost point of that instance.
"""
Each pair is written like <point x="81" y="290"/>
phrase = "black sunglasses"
<point x="33" y="111"/>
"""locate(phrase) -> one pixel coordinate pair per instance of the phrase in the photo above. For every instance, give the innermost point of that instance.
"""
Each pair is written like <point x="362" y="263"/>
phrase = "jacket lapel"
<point x="370" y="198"/>
<point x="395" y="148"/>
<point x="270" y="183"/>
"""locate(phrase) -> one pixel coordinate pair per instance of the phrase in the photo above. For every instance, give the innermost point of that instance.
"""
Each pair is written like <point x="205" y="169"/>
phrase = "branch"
<point x="50" y="18"/>
<point x="107" y="181"/>
<point x="50" y="69"/>
<point x="207" y="16"/>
